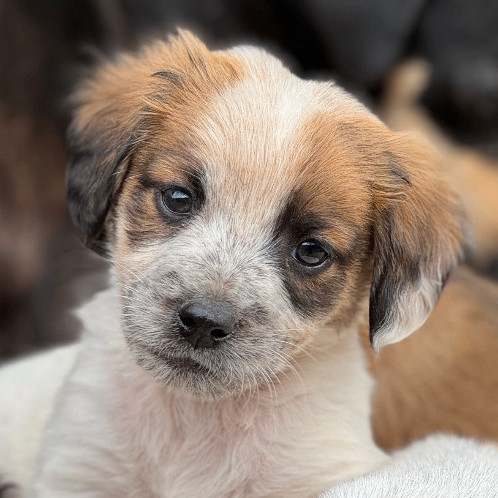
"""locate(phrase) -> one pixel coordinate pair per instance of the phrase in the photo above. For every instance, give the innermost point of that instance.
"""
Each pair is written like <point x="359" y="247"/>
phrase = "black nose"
<point x="205" y="323"/>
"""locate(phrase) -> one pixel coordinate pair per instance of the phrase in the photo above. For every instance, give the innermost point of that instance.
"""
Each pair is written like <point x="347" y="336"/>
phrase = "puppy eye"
<point x="177" y="200"/>
<point x="310" y="253"/>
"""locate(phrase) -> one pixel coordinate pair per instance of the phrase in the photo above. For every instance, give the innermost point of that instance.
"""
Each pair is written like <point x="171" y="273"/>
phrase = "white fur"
<point x="412" y="311"/>
<point x="439" y="467"/>
<point x="27" y="392"/>
<point x="116" y="432"/>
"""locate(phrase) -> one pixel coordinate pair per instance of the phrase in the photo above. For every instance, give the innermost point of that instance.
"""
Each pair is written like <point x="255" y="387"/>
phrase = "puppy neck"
<point x="319" y="412"/>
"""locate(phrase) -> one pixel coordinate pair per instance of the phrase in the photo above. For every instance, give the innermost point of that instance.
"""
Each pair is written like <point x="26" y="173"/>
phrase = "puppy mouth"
<point x="180" y="364"/>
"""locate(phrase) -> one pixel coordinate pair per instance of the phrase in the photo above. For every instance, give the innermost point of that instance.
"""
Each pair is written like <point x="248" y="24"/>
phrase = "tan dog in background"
<point x="252" y="219"/>
<point x="445" y="377"/>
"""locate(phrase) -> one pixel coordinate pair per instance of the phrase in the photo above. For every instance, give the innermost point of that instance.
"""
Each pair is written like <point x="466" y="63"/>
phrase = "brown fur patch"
<point x="473" y="176"/>
<point x="330" y="186"/>
<point x="418" y="229"/>
<point x="172" y="108"/>
<point x="381" y="189"/>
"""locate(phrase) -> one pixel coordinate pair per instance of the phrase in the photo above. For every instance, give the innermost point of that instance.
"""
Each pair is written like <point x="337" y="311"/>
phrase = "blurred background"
<point x="426" y="65"/>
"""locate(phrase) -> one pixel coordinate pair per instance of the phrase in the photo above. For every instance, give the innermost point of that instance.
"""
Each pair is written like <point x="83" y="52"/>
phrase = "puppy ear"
<point x="113" y="111"/>
<point x="105" y="128"/>
<point x="418" y="236"/>
<point x="93" y="177"/>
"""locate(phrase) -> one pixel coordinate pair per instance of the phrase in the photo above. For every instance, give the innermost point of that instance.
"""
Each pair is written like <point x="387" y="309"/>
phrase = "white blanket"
<point x="439" y="467"/>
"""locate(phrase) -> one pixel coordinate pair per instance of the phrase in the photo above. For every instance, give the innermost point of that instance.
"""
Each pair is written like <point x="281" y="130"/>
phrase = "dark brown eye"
<point x="310" y="253"/>
<point x="177" y="200"/>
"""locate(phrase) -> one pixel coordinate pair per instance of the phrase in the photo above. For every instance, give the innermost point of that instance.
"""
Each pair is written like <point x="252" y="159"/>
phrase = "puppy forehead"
<point x="261" y="137"/>
<point x="270" y="133"/>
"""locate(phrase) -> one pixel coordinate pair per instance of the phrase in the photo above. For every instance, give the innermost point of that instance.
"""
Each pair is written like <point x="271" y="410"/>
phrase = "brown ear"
<point x="113" y="112"/>
<point x="418" y="237"/>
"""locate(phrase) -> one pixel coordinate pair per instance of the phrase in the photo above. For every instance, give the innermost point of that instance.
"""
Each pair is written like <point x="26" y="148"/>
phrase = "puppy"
<point x="252" y="220"/>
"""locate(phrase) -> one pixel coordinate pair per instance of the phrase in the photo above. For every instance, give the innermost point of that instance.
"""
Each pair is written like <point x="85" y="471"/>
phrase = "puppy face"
<point x="246" y="209"/>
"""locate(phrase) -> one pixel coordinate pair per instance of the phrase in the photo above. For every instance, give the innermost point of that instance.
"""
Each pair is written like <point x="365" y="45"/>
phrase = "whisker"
<point x="300" y="348"/>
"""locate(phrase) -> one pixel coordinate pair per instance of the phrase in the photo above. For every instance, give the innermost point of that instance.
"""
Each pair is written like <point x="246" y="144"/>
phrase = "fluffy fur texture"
<point x="28" y="389"/>
<point x="272" y="161"/>
<point x="269" y="162"/>
<point x="438" y="467"/>
<point x="153" y="441"/>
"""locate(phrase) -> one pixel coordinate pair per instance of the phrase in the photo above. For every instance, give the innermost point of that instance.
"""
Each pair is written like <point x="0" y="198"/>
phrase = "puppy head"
<point x="244" y="209"/>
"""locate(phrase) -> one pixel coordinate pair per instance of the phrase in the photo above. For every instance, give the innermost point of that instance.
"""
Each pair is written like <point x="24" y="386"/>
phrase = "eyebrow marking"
<point x="296" y="223"/>
<point x="296" y="219"/>
<point x="147" y="182"/>
<point x="189" y="177"/>
<point x="170" y="76"/>
<point x="396" y="167"/>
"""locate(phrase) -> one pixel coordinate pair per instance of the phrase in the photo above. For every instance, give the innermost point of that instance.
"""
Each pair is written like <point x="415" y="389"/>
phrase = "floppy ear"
<point x="418" y="236"/>
<point x="93" y="177"/>
<point x="105" y="128"/>
<point x="113" y="111"/>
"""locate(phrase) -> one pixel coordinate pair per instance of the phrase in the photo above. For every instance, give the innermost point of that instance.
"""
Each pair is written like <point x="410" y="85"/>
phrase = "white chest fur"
<point x="116" y="432"/>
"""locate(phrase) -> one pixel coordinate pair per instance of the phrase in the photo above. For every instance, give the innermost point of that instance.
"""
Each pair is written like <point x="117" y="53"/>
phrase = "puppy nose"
<point x="205" y="323"/>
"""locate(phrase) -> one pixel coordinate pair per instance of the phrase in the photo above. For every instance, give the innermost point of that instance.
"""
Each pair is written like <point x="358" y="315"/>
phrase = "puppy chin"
<point x="185" y="375"/>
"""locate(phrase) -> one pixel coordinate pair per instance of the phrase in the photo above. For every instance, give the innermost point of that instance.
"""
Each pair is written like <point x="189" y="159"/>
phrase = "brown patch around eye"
<point x="143" y="224"/>
<point x="136" y="102"/>
<point x="318" y="293"/>
<point x="330" y="203"/>
<point x="314" y="296"/>
<point x="141" y="204"/>
<point x="315" y="291"/>
<point x="157" y="165"/>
